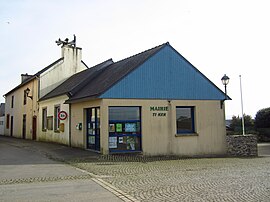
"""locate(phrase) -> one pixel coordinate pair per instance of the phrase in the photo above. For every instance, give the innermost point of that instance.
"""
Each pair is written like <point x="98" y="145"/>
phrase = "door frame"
<point x="95" y="127"/>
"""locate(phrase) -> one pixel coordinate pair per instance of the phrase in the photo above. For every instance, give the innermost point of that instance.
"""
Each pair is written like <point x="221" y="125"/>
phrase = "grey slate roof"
<point x="77" y="81"/>
<point x="96" y="80"/>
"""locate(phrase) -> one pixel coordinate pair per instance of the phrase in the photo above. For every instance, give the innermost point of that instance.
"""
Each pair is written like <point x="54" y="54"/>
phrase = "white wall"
<point x="71" y="64"/>
<point x="52" y="135"/>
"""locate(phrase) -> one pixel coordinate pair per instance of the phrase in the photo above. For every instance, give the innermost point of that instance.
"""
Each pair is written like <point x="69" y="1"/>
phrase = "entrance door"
<point x="93" y="129"/>
<point x="11" y="126"/>
<point x="34" y="131"/>
<point x="24" y="127"/>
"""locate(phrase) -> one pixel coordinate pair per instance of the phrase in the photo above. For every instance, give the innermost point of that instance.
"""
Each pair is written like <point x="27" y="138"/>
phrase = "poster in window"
<point x="111" y="128"/>
<point x="130" y="143"/>
<point x="91" y="139"/>
<point x="112" y="142"/>
<point x="130" y="127"/>
<point x="119" y="127"/>
<point x="93" y="118"/>
<point x="121" y="140"/>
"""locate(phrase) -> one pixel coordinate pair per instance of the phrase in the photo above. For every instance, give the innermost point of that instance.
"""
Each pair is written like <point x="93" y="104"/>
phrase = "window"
<point x="24" y="97"/>
<point x="44" y="119"/>
<point x="12" y="101"/>
<point x="50" y="122"/>
<point x="124" y="129"/>
<point x="185" y="120"/>
<point x="56" y="119"/>
<point x="7" y="122"/>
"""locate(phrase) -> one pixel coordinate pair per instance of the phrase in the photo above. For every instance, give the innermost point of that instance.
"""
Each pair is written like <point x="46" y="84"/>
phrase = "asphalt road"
<point x="27" y="174"/>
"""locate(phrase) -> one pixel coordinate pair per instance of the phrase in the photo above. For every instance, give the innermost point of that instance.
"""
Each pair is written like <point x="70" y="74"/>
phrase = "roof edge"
<point x="79" y="85"/>
<point x="225" y="96"/>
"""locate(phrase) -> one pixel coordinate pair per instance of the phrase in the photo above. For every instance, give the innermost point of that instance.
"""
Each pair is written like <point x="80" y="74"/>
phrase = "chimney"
<point x="72" y="55"/>
<point x="24" y="77"/>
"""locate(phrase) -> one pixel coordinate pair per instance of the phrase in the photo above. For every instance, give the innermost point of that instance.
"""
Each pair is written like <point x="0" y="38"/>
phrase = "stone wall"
<point x="239" y="145"/>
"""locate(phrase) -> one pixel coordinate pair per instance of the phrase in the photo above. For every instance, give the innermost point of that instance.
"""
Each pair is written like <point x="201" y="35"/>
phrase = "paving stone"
<point x="213" y="179"/>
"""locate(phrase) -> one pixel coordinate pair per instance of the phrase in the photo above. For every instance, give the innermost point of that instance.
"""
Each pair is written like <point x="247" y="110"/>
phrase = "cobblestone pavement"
<point x="29" y="169"/>
<point x="212" y="179"/>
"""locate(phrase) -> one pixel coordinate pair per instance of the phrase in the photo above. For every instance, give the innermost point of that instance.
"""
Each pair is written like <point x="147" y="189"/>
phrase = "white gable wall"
<point x="54" y="76"/>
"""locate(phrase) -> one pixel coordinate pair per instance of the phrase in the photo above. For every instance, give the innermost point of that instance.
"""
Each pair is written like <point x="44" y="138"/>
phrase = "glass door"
<point x="93" y="129"/>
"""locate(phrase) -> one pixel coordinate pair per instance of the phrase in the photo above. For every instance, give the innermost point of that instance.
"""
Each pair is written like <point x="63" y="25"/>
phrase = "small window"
<point x="12" y="101"/>
<point x="44" y="119"/>
<point x="24" y="97"/>
<point x="56" y="119"/>
<point x="7" y="121"/>
<point x="185" y="120"/>
<point x="50" y="122"/>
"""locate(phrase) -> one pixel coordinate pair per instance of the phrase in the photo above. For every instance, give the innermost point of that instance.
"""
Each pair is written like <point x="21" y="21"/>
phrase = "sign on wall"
<point x="62" y="115"/>
<point x="159" y="111"/>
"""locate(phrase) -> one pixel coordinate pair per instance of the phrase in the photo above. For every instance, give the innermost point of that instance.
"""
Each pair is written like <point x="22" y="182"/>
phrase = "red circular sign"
<point x="62" y="115"/>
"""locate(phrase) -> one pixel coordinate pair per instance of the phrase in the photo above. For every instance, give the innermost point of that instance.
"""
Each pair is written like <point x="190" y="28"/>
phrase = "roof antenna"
<point x="66" y="42"/>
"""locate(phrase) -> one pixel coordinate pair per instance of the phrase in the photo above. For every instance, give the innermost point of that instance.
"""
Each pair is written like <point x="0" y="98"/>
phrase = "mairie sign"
<point x="159" y="111"/>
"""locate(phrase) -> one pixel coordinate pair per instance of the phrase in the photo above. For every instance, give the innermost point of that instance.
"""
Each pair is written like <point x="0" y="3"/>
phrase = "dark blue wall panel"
<point x="166" y="75"/>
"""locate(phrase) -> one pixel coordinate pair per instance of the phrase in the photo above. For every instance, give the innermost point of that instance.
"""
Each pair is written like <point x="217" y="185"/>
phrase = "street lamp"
<point x="27" y="91"/>
<point x="225" y="80"/>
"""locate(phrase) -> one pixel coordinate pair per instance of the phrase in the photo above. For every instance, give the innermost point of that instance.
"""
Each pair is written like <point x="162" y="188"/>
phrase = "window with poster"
<point x="124" y="129"/>
<point x="56" y="118"/>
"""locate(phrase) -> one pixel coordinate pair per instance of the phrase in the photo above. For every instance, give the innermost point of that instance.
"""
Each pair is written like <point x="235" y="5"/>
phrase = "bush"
<point x="262" y="119"/>
<point x="262" y="124"/>
<point x="264" y="134"/>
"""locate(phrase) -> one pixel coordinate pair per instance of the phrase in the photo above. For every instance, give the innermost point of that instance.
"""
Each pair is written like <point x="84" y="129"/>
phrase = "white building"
<point x="2" y="118"/>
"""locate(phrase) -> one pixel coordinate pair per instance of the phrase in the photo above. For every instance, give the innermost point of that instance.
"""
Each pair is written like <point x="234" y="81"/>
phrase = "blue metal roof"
<point x="165" y="75"/>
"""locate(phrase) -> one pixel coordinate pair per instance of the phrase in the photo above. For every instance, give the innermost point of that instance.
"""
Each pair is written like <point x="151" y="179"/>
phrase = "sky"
<point x="218" y="37"/>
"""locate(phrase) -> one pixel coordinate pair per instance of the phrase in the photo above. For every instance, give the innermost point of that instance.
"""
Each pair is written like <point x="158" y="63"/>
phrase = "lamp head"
<point x="225" y="80"/>
<point x="27" y="91"/>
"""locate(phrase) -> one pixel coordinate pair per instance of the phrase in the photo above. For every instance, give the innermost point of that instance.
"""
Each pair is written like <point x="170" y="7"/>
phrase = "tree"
<point x="262" y="119"/>
<point x="236" y="123"/>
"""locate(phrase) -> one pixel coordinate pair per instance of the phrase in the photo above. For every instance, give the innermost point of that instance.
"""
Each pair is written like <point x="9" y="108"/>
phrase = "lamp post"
<point x="225" y="80"/>
<point x="27" y="91"/>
